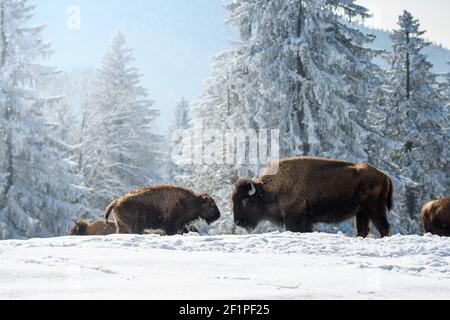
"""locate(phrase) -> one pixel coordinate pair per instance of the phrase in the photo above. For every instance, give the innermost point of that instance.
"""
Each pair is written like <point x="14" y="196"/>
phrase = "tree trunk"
<point x="8" y="111"/>
<point x="3" y="40"/>
<point x="300" y="112"/>
<point x="408" y="70"/>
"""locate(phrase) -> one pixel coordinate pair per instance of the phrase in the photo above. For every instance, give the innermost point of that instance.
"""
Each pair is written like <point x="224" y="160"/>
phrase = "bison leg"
<point x="439" y="229"/>
<point x="171" y="231"/>
<point x="188" y="229"/>
<point x="297" y="219"/>
<point x="133" y="225"/>
<point x="298" y="223"/>
<point x="126" y="229"/>
<point x="363" y="224"/>
<point x="300" y="227"/>
<point x="309" y="227"/>
<point x="427" y="224"/>
<point x="377" y="212"/>
<point x="122" y="228"/>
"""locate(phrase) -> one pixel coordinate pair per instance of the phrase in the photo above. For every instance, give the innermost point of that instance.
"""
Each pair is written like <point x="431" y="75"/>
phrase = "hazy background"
<point x="174" y="39"/>
<point x="433" y="15"/>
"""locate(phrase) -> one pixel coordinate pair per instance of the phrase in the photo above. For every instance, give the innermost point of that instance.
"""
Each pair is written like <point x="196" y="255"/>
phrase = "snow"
<point x="265" y="266"/>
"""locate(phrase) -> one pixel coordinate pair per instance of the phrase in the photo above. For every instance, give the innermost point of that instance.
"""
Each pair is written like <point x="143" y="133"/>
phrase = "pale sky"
<point x="433" y="16"/>
<point x="175" y="39"/>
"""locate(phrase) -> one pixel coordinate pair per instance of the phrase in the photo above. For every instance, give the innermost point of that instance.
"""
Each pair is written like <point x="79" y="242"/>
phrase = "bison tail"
<point x="108" y="211"/>
<point x="390" y="199"/>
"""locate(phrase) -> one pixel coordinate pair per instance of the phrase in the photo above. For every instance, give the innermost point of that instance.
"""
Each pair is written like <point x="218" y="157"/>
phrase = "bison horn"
<point x="252" y="192"/>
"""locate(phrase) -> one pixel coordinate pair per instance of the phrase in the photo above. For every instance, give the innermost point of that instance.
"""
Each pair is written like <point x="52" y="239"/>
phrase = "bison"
<point x="436" y="217"/>
<point x="166" y="207"/>
<point x="96" y="228"/>
<point x="306" y="191"/>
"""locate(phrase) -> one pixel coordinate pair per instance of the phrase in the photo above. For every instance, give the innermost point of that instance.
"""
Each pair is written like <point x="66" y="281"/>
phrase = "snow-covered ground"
<point x="267" y="266"/>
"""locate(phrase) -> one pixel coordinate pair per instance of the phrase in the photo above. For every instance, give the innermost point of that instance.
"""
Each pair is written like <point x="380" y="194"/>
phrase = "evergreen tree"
<point x="218" y="110"/>
<point x="308" y="73"/>
<point x="182" y="118"/>
<point x="37" y="186"/>
<point x="300" y="68"/>
<point x="181" y="122"/>
<point x="416" y="120"/>
<point x="120" y="150"/>
<point x="446" y="86"/>
<point x="63" y="110"/>
<point x="410" y="69"/>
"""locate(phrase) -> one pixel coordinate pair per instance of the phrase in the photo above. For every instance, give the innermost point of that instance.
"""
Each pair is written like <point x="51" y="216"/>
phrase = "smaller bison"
<point x="436" y="217"/>
<point x="96" y="228"/>
<point x="166" y="207"/>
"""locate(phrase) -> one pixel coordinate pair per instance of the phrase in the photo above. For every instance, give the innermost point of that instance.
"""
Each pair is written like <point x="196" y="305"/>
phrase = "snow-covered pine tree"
<point x="38" y="195"/>
<point x="63" y="111"/>
<point x="308" y="73"/>
<point x="181" y="121"/>
<point x="299" y="67"/>
<point x="71" y="91"/>
<point x="446" y="86"/>
<point x="182" y="117"/>
<point x="446" y="128"/>
<point x="417" y="122"/>
<point x="120" y="150"/>
<point x="218" y="109"/>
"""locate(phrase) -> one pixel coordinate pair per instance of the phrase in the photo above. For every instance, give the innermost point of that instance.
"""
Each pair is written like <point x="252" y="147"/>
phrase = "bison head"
<point x="248" y="203"/>
<point x="80" y="229"/>
<point x="209" y="211"/>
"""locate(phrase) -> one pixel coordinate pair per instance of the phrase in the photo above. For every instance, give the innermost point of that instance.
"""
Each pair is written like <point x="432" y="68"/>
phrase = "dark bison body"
<point x="436" y="217"/>
<point x="96" y="228"/>
<point x="306" y="191"/>
<point x="164" y="207"/>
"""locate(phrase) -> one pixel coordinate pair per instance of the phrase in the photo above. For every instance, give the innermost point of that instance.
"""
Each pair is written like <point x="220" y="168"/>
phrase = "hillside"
<point x="438" y="55"/>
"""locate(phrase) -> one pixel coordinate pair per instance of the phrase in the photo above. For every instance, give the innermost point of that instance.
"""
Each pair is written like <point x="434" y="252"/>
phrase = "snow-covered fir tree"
<point x="307" y="72"/>
<point x="69" y="117"/>
<point x="182" y="115"/>
<point x="217" y="110"/>
<point x="120" y="150"/>
<point x="38" y="192"/>
<point x="298" y="67"/>
<point x="176" y="172"/>
<point x="69" y="91"/>
<point x="446" y="86"/>
<point x="417" y="121"/>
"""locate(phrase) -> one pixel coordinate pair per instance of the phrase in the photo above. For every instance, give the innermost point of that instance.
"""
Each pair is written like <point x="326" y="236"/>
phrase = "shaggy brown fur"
<point x="436" y="217"/>
<point x="165" y="207"/>
<point x="306" y="191"/>
<point x="96" y="228"/>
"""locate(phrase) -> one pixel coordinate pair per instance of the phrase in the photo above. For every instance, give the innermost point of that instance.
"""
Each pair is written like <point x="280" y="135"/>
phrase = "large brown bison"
<point x="95" y="228"/>
<point x="165" y="207"/>
<point x="436" y="217"/>
<point x="306" y="191"/>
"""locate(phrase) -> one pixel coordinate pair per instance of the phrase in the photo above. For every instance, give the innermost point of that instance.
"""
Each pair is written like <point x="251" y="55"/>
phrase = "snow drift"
<point x="266" y="266"/>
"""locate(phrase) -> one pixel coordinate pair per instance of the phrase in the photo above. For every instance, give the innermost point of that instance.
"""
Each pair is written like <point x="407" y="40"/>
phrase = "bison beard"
<point x="306" y="191"/>
<point x="436" y="217"/>
<point x="164" y="207"/>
